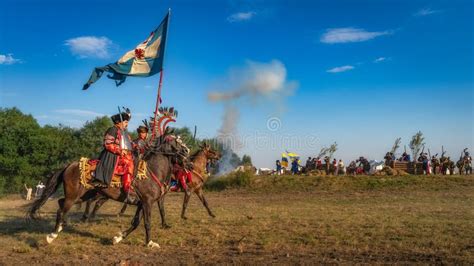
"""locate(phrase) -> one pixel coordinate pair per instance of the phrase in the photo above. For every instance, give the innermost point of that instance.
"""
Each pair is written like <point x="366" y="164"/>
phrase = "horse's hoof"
<point x="51" y="237"/>
<point x="117" y="239"/>
<point x="152" y="244"/>
<point x="165" y="226"/>
<point x="184" y="217"/>
<point x="212" y="215"/>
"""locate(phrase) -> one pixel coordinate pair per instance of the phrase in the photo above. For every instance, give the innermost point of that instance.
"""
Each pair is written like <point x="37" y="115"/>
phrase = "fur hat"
<point x="125" y="117"/>
<point x="142" y="129"/>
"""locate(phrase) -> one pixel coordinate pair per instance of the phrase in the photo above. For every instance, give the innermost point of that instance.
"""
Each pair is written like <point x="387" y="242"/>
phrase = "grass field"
<point x="287" y="219"/>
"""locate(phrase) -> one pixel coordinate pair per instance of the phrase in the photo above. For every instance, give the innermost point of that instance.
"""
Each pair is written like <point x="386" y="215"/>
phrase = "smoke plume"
<point x="255" y="81"/>
<point x="250" y="84"/>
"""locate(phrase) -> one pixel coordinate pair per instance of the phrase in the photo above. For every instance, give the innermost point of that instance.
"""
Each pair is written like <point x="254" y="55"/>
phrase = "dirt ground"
<point x="303" y="224"/>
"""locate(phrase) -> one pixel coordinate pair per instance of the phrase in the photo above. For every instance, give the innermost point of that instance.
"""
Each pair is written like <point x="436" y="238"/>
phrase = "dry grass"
<point x="273" y="220"/>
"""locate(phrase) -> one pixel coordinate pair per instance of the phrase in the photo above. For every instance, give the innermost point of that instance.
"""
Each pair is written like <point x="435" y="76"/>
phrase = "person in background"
<point x="294" y="167"/>
<point x="340" y="167"/>
<point x="278" y="167"/>
<point x="29" y="191"/>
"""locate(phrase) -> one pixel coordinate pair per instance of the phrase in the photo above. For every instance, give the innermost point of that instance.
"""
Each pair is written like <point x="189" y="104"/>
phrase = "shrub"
<point x="232" y="180"/>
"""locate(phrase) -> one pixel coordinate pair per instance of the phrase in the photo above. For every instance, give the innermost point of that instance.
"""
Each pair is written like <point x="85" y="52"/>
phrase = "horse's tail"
<point x="52" y="185"/>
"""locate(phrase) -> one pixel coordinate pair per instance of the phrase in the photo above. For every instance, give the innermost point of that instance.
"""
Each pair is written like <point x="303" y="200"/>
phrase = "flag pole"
<point x="157" y="106"/>
<point x="158" y="97"/>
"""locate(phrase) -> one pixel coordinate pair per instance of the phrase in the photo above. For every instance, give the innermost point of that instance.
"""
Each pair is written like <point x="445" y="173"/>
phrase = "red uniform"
<point x="112" y="162"/>
<point x="182" y="175"/>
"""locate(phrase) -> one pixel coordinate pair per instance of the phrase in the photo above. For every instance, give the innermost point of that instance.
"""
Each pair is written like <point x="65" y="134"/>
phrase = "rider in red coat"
<point x="116" y="158"/>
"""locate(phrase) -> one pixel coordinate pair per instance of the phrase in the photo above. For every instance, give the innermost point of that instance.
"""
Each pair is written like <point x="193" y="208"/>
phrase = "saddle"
<point x="87" y="168"/>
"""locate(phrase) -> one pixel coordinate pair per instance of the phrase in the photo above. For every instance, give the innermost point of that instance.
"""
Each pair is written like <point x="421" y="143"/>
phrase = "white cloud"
<point x="8" y="59"/>
<point x="345" y="35"/>
<point x="425" y="12"/>
<point x="241" y="16"/>
<point x="89" y="46"/>
<point x="78" y="112"/>
<point x="380" y="59"/>
<point x="340" y="69"/>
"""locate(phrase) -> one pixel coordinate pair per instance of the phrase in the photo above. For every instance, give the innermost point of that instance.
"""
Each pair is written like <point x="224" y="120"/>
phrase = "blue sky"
<point x="367" y="71"/>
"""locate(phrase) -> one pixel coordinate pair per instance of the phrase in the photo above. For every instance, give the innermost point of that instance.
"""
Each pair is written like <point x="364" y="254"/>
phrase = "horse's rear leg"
<point x="135" y="223"/>
<point x="65" y="205"/>
<point x="200" y="194"/>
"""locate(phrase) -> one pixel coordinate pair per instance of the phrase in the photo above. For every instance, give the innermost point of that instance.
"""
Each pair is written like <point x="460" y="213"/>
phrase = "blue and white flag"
<point x="143" y="61"/>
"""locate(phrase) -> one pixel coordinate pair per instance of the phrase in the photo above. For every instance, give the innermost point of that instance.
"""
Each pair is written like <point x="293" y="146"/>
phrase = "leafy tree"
<point x="416" y="143"/>
<point x="246" y="160"/>
<point x="89" y="139"/>
<point x="18" y="138"/>
<point x="396" y="145"/>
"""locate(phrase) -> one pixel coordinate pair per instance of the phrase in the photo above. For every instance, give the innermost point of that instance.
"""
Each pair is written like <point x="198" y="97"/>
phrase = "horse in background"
<point x="199" y="176"/>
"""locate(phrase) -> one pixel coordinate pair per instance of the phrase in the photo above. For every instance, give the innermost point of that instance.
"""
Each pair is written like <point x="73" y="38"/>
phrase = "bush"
<point x="232" y="180"/>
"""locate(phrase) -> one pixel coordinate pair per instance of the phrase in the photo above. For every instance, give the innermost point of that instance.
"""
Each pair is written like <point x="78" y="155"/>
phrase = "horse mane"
<point x="195" y="154"/>
<point x="155" y="145"/>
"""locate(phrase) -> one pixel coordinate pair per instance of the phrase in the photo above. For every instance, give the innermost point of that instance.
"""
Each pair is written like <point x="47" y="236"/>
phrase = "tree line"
<point x="30" y="152"/>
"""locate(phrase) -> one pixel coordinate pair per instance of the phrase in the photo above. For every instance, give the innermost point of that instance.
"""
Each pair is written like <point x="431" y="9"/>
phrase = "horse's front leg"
<point x="85" y="215"/>
<point x="97" y="206"/>
<point x="185" y="205"/>
<point x="200" y="195"/>
<point x="147" y="217"/>
<point x="161" y="207"/>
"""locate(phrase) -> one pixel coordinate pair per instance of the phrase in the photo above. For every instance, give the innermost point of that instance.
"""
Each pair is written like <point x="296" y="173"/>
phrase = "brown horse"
<point x="199" y="160"/>
<point x="149" y="190"/>
<point x="200" y="176"/>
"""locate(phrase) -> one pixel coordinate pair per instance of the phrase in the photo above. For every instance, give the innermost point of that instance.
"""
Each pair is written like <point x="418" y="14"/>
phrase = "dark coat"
<point x="109" y="155"/>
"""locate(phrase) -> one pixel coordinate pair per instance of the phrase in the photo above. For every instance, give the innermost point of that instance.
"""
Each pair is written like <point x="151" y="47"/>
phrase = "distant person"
<point x="278" y="167"/>
<point x="39" y="189"/>
<point x="340" y="167"/>
<point x="294" y="167"/>
<point x="405" y="157"/>
<point x="319" y="164"/>
<point x="29" y="191"/>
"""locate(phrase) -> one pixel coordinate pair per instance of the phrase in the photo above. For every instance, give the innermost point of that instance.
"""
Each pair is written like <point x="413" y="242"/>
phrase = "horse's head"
<point x="169" y="145"/>
<point x="210" y="154"/>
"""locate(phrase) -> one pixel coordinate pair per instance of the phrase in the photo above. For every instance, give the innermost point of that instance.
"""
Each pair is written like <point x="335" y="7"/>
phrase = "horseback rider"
<point x="116" y="157"/>
<point x="140" y="143"/>
<point x="183" y="173"/>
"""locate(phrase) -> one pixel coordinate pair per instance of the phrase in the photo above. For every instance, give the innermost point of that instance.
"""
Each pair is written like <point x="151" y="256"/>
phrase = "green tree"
<point x="246" y="160"/>
<point x="18" y="138"/>
<point x="416" y="143"/>
<point x="89" y="139"/>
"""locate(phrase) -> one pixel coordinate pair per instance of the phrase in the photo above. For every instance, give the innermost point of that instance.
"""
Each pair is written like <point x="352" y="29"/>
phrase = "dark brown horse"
<point x="149" y="190"/>
<point x="200" y="176"/>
